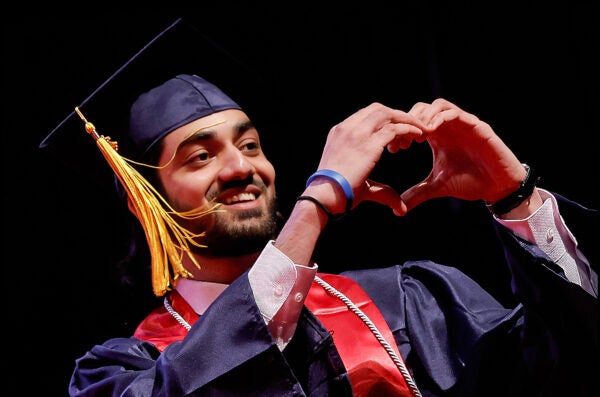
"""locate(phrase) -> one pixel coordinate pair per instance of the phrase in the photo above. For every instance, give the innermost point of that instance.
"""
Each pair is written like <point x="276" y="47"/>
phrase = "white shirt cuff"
<point x="277" y="283"/>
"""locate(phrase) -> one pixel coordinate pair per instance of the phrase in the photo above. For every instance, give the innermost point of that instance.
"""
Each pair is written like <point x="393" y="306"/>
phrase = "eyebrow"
<point x="206" y="133"/>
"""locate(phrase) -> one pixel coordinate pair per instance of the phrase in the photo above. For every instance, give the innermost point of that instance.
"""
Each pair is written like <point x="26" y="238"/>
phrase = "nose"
<point x="235" y="166"/>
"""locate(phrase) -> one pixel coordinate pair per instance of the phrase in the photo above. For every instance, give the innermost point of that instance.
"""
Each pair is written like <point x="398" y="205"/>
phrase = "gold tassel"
<point x="167" y="240"/>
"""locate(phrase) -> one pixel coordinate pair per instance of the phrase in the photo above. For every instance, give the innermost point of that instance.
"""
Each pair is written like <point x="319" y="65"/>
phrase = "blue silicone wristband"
<point x="340" y="180"/>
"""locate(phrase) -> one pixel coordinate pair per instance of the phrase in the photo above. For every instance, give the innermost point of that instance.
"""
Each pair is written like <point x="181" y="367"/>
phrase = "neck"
<point x="219" y="270"/>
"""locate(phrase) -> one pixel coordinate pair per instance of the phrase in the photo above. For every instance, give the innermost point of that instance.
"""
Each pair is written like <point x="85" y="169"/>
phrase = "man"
<point x="247" y="312"/>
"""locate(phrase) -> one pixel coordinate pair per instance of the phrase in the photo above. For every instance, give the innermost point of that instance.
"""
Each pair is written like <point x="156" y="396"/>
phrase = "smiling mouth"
<point x="240" y="198"/>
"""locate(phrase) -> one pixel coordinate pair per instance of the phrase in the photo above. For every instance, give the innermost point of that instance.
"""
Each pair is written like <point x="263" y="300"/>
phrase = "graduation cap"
<point x="166" y="84"/>
<point x="179" y="49"/>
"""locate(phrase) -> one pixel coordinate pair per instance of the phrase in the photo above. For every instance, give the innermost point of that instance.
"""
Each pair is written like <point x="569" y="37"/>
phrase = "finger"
<point x="433" y="114"/>
<point x="403" y="142"/>
<point x="418" y="109"/>
<point x="375" y="116"/>
<point x="382" y="117"/>
<point x="383" y="194"/>
<point x="398" y="136"/>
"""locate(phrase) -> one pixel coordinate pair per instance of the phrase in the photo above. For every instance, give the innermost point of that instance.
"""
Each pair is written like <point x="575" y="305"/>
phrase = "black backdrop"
<point x="530" y="71"/>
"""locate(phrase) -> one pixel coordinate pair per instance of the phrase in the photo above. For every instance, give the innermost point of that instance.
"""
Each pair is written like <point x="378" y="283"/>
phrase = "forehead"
<point x="212" y="125"/>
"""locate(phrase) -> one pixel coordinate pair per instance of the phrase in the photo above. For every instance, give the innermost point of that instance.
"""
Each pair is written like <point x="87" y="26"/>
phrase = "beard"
<point x="240" y="233"/>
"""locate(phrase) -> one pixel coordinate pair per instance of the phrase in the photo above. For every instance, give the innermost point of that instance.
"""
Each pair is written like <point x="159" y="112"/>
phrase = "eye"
<point x="199" y="156"/>
<point x="250" y="146"/>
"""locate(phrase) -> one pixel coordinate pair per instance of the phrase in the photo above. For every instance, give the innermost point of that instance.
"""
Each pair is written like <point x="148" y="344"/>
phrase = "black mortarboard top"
<point x="178" y="50"/>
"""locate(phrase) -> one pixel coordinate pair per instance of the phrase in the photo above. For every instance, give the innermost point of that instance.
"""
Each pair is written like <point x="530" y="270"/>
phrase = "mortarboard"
<point x="179" y="49"/>
<point x="164" y="85"/>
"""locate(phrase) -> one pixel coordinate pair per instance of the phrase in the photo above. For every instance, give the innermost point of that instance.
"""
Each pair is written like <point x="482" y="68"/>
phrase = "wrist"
<point x="340" y="182"/>
<point x="518" y="199"/>
<point x="524" y="210"/>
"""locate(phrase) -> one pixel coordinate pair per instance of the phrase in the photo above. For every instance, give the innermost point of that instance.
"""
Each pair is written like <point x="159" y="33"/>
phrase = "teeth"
<point x="241" y="197"/>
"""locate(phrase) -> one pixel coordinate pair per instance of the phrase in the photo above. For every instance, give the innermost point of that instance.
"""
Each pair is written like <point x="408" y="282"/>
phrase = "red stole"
<point x="160" y="327"/>
<point x="371" y="370"/>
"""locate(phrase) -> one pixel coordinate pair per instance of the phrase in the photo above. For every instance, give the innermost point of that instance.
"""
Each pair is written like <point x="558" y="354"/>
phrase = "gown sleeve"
<point x="459" y="340"/>
<point x="223" y="354"/>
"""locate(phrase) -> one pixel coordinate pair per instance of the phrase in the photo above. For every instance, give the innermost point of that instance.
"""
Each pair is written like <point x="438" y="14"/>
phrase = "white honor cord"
<point x="399" y="363"/>
<point x="176" y="315"/>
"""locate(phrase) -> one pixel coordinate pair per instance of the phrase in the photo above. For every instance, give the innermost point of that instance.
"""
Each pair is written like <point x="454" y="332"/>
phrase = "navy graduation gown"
<point x="455" y="337"/>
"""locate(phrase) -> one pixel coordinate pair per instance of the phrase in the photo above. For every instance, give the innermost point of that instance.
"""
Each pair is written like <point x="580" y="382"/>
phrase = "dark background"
<point x="530" y="70"/>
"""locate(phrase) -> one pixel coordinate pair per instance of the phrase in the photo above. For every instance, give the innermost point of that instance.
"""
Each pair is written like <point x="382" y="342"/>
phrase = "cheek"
<point x="266" y="171"/>
<point x="185" y="192"/>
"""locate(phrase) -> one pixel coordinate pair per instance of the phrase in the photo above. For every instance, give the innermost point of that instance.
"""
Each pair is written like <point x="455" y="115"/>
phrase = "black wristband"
<point x="330" y="216"/>
<point x="318" y="203"/>
<point x="515" y="199"/>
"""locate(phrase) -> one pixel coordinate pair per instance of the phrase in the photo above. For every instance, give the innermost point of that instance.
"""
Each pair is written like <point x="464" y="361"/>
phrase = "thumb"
<point x="418" y="194"/>
<point x="383" y="194"/>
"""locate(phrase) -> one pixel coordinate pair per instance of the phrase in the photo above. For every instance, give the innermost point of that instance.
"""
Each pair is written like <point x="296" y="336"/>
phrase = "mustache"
<point x="236" y="184"/>
<point x="239" y="183"/>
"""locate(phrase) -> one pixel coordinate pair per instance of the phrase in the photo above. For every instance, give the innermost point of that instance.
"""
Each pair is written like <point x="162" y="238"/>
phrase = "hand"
<point x="470" y="161"/>
<point x="353" y="148"/>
